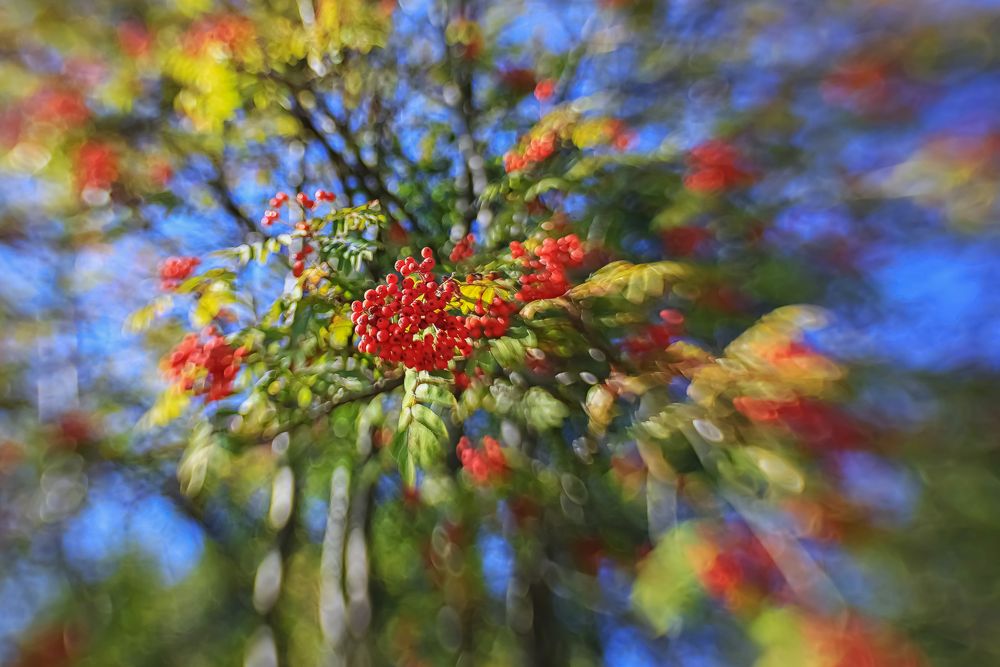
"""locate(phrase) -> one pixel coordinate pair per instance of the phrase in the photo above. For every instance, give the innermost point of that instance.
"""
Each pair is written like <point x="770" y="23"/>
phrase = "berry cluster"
<point x="58" y="106"/>
<point x="865" y="85"/>
<point x="545" y="89"/>
<point x="96" y="166"/>
<point x="547" y="276"/>
<point x="816" y="424"/>
<point x="463" y="249"/>
<point x="205" y="364"/>
<point x="619" y="135"/>
<point x="230" y="31"/>
<point x="280" y="199"/>
<point x="716" y="166"/>
<point x="134" y="39"/>
<point x="539" y="149"/>
<point x="483" y="464"/>
<point x="300" y="259"/>
<point x="407" y="319"/>
<point x="741" y="568"/>
<point x="175" y="269"/>
<point x="491" y="320"/>
<point x="656" y="337"/>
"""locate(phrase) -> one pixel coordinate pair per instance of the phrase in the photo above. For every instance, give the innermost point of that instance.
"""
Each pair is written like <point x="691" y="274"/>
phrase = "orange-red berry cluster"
<point x="175" y="269"/>
<point x="96" y="166"/>
<point x="621" y="136"/>
<point x="538" y="150"/>
<point x="407" y="319"/>
<point x="546" y="278"/>
<point x="300" y="259"/>
<point x="463" y="249"/>
<point x="205" y="364"/>
<point x="490" y="320"/>
<point x="818" y="425"/>
<point x="280" y="199"/>
<point x="58" y="106"/>
<point x="742" y="564"/>
<point x="485" y="464"/>
<point x="716" y="166"/>
<point x="232" y="31"/>
<point x="656" y="337"/>
<point x="545" y="89"/>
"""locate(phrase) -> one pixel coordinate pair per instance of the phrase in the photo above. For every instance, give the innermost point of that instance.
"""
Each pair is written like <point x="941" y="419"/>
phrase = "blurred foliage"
<point x="670" y="459"/>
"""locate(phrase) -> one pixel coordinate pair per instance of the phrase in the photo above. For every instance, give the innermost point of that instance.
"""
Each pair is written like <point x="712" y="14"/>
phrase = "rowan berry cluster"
<point x="545" y="89"/>
<point x="619" y="135"/>
<point x="205" y="364"/>
<point x="656" y="337"/>
<point x="539" y="149"/>
<point x="407" y="319"/>
<point x="491" y="320"/>
<point x="175" y="269"/>
<point x="58" y="106"/>
<point x="816" y="424"/>
<point x="716" y="166"/>
<point x="485" y="464"/>
<point x="546" y="276"/>
<point x="300" y="259"/>
<point x="96" y="166"/>
<point x="412" y="317"/>
<point x="741" y="567"/>
<point x="230" y="31"/>
<point x="134" y="39"/>
<point x="463" y="249"/>
<point x="280" y="199"/>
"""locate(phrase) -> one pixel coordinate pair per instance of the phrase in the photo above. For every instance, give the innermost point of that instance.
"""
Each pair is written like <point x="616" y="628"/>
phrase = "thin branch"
<point x="381" y="386"/>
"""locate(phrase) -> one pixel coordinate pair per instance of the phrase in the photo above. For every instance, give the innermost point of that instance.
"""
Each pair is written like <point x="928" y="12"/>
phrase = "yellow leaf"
<point x="141" y="319"/>
<point x="169" y="406"/>
<point x="340" y="332"/>
<point x="482" y="291"/>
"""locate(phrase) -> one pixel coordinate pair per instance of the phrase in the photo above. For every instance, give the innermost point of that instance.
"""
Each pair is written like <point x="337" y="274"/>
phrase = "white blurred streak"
<point x="332" y="606"/>
<point x="262" y="652"/>
<point x="267" y="582"/>
<point x="282" y="493"/>
<point x="661" y="507"/>
<point x="359" y="607"/>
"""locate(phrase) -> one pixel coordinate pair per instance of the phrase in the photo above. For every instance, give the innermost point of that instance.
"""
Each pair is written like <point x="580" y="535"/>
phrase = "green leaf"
<point x="304" y="397"/>
<point x="636" y="282"/>
<point x="667" y="585"/>
<point x="778" y="633"/>
<point x="508" y="351"/>
<point x="543" y="411"/>
<point x="423" y="431"/>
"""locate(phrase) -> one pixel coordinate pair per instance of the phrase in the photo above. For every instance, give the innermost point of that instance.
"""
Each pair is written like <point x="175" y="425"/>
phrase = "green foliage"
<point x="666" y="586"/>
<point x="668" y="425"/>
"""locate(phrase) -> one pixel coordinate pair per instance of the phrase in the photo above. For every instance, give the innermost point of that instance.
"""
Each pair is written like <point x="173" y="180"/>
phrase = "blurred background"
<point x="841" y="154"/>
